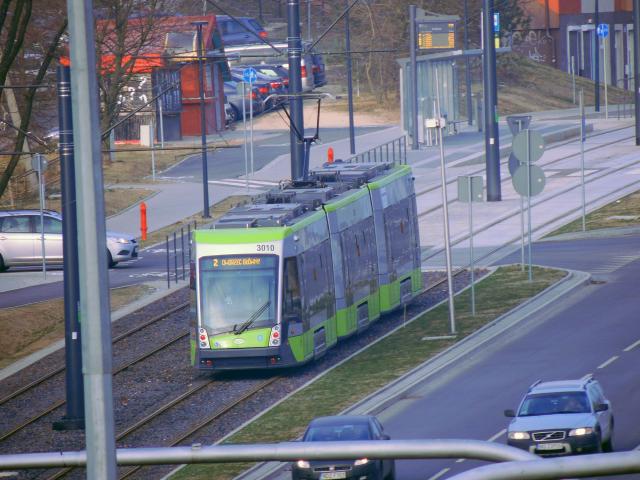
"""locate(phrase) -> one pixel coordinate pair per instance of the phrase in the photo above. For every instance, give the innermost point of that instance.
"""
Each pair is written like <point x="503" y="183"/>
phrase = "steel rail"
<point x="61" y="368"/>
<point x="60" y="403"/>
<point x="555" y="145"/>
<point x="206" y="421"/>
<point x="539" y="203"/>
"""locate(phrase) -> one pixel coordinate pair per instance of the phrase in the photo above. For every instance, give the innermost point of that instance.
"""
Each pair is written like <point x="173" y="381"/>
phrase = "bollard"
<point x="143" y="221"/>
<point x="330" y="155"/>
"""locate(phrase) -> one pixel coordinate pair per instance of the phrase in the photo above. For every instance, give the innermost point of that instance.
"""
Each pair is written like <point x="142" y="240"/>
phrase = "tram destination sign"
<point x="436" y="34"/>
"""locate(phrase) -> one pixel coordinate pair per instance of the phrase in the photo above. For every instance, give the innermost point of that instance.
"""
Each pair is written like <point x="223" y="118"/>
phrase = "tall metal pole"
<point x="203" y="123"/>
<point x="309" y="36"/>
<point x="584" y="208"/>
<point x="295" y="88"/>
<point x="414" y="77"/>
<point x="244" y="124"/>
<point x="467" y="62"/>
<point x="636" y="65"/>
<point x="352" y="140"/>
<point x="491" y="133"/>
<point x="92" y="248"/>
<point x="74" y="417"/>
<point x="445" y="209"/>
<point x="597" y="59"/>
<point x="529" y="201"/>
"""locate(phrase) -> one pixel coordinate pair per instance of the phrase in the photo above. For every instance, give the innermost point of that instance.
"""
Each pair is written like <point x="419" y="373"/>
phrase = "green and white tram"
<point x="281" y="280"/>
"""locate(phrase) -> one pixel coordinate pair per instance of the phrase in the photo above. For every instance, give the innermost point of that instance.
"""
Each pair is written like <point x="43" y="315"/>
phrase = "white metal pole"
<point x="244" y="126"/>
<point x="41" y="195"/>
<point x="153" y="151"/>
<point x="473" y="287"/>
<point x="529" y="198"/>
<point x="606" y="77"/>
<point x="251" y="122"/>
<point x="161" y="120"/>
<point x="584" y="222"/>
<point x="445" y="208"/>
<point x="573" y="77"/>
<point x="521" y="233"/>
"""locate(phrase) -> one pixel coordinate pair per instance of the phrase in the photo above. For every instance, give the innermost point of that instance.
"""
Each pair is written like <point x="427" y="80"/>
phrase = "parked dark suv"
<point x="561" y="418"/>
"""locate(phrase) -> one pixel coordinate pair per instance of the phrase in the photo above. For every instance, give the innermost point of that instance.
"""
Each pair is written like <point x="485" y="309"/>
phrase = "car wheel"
<point x="234" y="114"/>
<point x="110" y="262"/>
<point x="607" y="446"/>
<point x="392" y="471"/>
<point x="3" y="267"/>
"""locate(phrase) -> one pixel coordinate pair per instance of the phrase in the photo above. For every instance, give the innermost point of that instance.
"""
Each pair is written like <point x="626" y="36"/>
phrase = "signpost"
<point x="582" y="140"/>
<point x="517" y="123"/>
<point x="39" y="164"/>
<point x="249" y="75"/>
<point x="528" y="179"/>
<point x="603" y="32"/>
<point x="470" y="189"/>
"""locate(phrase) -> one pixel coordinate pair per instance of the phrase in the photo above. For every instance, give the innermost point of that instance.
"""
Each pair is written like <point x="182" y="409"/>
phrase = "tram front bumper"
<point x="243" y="358"/>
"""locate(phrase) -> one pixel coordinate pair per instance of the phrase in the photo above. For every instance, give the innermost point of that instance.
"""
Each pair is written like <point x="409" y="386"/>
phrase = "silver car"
<point x="562" y="418"/>
<point x="20" y="240"/>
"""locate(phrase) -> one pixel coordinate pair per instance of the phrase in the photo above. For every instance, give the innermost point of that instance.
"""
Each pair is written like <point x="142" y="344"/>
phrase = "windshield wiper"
<point x="254" y="316"/>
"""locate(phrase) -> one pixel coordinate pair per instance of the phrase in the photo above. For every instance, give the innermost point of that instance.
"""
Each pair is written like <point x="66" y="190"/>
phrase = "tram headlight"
<point x="275" y="337"/>
<point x="203" y="338"/>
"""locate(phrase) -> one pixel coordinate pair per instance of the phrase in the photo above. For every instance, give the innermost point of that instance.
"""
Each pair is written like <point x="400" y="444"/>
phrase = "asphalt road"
<point x="229" y="162"/>
<point x="587" y="332"/>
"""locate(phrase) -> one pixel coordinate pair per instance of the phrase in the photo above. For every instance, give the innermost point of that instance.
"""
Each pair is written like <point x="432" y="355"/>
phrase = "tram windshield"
<point x="238" y="292"/>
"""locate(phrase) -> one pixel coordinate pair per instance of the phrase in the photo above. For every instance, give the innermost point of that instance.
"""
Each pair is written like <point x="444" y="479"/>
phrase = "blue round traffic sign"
<point x="602" y="30"/>
<point x="249" y="75"/>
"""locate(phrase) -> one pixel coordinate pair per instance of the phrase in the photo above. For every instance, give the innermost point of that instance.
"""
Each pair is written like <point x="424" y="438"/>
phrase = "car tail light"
<point x="263" y="90"/>
<point x="254" y="95"/>
<point x="263" y="34"/>
<point x="275" y="85"/>
<point x="275" y="337"/>
<point x="203" y="338"/>
<point x="303" y="71"/>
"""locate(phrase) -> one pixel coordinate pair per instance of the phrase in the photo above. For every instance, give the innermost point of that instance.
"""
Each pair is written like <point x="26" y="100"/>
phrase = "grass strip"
<point x="29" y="328"/>
<point x="624" y="212"/>
<point x="381" y="363"/>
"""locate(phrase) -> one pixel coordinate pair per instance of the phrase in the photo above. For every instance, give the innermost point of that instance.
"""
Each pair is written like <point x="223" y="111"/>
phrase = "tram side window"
<point x="292" y="301"/>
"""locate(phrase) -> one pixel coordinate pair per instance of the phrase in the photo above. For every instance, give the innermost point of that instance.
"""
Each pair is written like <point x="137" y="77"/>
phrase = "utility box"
<point x="146" y="135"/>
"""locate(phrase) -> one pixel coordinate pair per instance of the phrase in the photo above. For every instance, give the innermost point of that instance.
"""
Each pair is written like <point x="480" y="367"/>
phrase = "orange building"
<point x="563" y="33"/>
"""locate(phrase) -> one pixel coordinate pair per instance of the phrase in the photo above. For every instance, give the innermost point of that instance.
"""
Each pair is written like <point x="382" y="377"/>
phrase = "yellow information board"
<point x="436" y="35"/>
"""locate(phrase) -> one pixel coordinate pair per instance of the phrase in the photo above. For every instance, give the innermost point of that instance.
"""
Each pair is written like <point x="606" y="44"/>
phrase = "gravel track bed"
<point x="147" y="385"/>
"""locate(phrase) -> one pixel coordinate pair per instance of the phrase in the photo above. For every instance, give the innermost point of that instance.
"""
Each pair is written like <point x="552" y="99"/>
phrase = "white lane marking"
<point x="460" y="460"/>
<point x="587" y="376"/>
<point x="608" y="362"/>
<point x="632" y="346"/>
<point x="498" y="435"/>
<point x="440" y="473"/>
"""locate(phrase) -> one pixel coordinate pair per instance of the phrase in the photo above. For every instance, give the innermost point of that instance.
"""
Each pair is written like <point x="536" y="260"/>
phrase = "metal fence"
<point x="394" y="151"/>
<point x="178" y="253"/>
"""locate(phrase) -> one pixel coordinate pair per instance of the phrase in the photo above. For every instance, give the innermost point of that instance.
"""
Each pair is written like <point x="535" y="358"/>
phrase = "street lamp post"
<point x="203" y="124"/>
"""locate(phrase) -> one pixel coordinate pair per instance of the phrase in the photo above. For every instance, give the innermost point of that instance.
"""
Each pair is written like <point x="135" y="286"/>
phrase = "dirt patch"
<point x="30" y="328"/>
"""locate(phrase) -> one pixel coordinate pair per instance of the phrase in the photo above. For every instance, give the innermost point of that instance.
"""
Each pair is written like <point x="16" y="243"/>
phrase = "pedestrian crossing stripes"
<point x="240" y="183"/>
<point x="615" y="263"/>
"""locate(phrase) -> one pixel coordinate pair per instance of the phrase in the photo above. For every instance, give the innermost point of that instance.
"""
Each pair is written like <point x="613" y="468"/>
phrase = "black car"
<point x="344" y="428"/>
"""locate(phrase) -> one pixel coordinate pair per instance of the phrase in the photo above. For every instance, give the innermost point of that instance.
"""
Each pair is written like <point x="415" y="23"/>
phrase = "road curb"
<point x="378" y="401"/>
<point x="116" y="315"/>
<point x="597" y="233"/>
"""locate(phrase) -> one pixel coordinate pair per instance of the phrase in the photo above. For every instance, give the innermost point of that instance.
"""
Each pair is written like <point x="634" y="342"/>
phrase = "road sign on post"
<point x="471" y="189"/>
<point x="603" y="30"/>
<point x="528" y="179"/>
<point x="249" y="75"/>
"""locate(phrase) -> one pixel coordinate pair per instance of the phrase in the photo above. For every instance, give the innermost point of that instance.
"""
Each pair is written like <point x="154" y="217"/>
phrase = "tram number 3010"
<point x="265" y="247"/>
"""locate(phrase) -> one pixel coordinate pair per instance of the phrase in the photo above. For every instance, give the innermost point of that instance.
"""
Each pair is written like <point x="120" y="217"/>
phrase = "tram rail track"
<point x="5" y="435"/>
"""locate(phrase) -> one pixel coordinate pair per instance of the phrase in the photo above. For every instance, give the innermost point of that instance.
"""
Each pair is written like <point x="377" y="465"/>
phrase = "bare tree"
<point x="125" y="35"/>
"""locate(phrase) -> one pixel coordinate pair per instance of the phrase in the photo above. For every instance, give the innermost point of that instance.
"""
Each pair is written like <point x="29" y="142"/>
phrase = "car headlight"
<point x="519" y="435"/>
<point x="123" y="240"/>
<point x="577" y="432"/>
<point x="361" y="461"/>
<point x="302" y="464"/>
